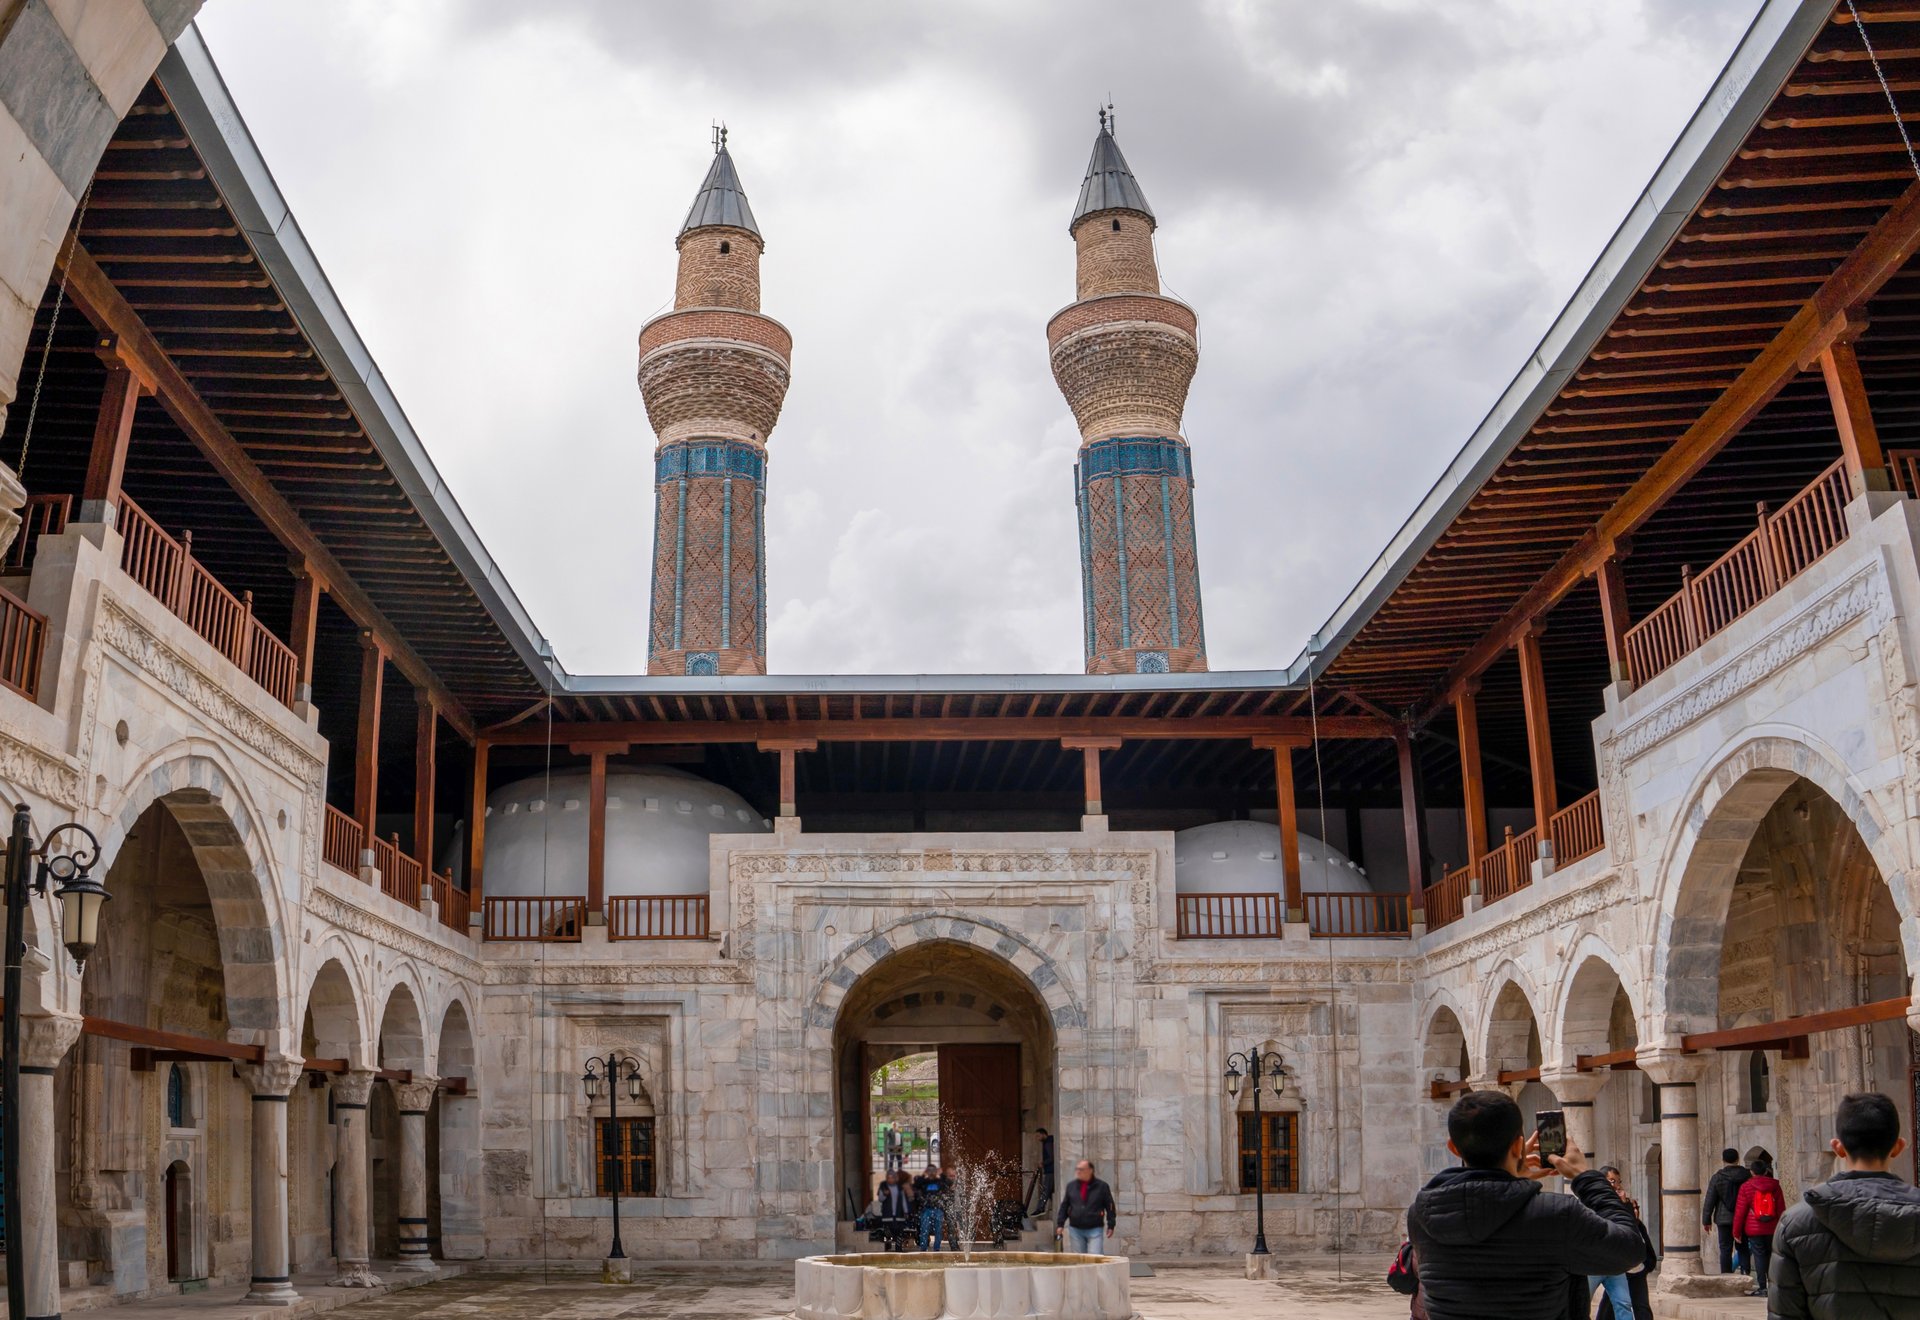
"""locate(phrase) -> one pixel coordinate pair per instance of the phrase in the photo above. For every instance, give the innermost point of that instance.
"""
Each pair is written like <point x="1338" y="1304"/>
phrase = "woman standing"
<point x="1755" y="1215"/>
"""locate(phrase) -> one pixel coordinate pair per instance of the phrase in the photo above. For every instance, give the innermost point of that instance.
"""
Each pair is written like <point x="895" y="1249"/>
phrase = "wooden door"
<point x="980" y="1109"/>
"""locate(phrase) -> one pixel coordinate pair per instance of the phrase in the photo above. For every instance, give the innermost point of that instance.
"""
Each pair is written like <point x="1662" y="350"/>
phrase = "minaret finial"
<point x="1103" y="119"/>
<point x="1113" y="116"/>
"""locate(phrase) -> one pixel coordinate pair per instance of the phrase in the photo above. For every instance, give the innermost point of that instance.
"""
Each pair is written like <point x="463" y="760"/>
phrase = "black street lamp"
<point x="603" y="1080"/>
<point x="28" y="869"/>
<point x="1259" y="1067"/>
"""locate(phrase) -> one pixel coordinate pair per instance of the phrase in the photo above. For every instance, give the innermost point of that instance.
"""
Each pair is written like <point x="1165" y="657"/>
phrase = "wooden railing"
<point x="1446" y="899"/>
<point x="1509" y="867"/>
<point x="41" y="515"/>
<point x="454" y="903"/>
<point x="1228" y="916"/>
<point x="1783" y="545"/>
<point x="399" y="873"/>
<point x="533" y="920"/>
<point x="1903" y="466"/>
<point x="1358" y="916"/>
<point x="657" y="917"/>
<point x="1577" y="831"/>
<point x="23" y="641"/>
<point x="168" y="570"/>
<point x="343" y="841"/>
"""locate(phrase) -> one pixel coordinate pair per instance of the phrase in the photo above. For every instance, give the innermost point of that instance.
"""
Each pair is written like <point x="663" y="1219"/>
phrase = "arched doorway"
<point x="994" y="1071"/>
<point x="178" y="1196"/>
<point x="1781" y="910"/>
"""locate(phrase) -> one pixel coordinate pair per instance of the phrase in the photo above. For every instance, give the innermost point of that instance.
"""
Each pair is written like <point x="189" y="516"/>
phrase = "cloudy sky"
<point x="1376" y="206"/>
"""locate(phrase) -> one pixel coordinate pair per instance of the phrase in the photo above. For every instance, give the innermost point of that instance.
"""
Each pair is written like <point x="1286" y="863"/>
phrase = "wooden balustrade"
<point x="1903" y="467"/>
<point x="1446" y="899"/>
<point x="342" y="842"/>
<point x="169" y="572"/>
<point x="399" y="873"/>
<point x="533" y="920"/>
<point x="41" y="515"/>
<point x="1577" y="830"/>
<point x="1784" y="544"/>
<point x="1228" y="916"/>
<point x="1509" y="867"/>
<point x="454" y="903"/>
<point x="23" y="641"/>
<point x="1358" y="916"/>
<point x="657" y="917"/>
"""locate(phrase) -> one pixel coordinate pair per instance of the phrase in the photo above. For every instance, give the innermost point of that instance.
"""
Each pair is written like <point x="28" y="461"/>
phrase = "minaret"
<point x="1124" y="354"/>
<point x="713" y="372"/>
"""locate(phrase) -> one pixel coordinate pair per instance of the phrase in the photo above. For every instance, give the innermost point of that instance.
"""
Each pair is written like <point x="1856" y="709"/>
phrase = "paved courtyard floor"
<point x="752" y="1291"/>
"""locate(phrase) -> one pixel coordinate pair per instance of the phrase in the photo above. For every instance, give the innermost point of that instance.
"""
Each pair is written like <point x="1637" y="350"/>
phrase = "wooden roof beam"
<point x="955" y="729"/>
<point x="1822" y="321"/>
<point x="100" y="302"/>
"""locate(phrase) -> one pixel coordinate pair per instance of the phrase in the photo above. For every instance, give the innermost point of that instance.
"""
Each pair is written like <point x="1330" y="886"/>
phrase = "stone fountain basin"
<point x="992" y="1285"/>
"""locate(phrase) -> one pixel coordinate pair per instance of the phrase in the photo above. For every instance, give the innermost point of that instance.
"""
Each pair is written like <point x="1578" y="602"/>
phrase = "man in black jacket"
<point x="1851" y="1248"/>
<point x="1716" y="1212"/>
<point x="1086" y="1212"/>
<point x="1490" y="1243"/>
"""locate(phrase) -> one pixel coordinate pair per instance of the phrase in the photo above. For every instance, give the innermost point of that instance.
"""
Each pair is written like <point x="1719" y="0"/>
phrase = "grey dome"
<point x="658" y="821"/>
<point x="1243" y="857"/>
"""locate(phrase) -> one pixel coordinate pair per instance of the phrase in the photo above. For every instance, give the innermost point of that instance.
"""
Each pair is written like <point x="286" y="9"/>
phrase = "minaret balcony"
<point x="1110" y="308"/>
<point x="716" y="323"/>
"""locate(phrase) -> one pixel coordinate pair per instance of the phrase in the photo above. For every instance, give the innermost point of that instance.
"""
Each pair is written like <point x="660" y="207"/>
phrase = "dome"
<point x="1243" y="857"/>
<point x="658" y="820"/>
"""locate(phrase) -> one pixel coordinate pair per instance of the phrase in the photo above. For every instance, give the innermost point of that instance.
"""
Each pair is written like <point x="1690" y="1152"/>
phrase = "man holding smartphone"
<point x="1489" y="1243"/>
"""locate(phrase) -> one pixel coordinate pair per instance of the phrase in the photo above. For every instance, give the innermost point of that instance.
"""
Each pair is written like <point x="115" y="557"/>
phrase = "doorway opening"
<point x="178" y="1193"/>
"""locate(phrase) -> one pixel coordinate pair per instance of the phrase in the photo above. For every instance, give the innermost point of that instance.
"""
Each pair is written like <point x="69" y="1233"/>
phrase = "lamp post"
<point x="28" y="869"/>
<point x="603" y="1080"/>
<point x="1259" y="1067"/>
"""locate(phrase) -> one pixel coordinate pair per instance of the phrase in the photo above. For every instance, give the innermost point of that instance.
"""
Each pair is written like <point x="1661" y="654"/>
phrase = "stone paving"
<point x="754" y="1291"/>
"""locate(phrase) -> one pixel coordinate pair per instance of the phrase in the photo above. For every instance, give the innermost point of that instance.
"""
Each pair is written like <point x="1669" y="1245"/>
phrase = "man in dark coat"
<point x="1723" y="1192"/>
<point x="1491" y="1244"/>
<point x="1086" y="1213"/>
<point x="1851" y="1249"/>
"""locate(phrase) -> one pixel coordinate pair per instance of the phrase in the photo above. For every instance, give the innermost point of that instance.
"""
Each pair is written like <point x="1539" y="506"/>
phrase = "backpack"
<point x="1764" y="1211"/>
<point x="1402" y="1276"/>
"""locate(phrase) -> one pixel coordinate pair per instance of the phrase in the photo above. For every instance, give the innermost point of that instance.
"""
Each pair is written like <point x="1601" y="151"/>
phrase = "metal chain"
<point x="1878" y="72"/>
<point x="53" y="323"/>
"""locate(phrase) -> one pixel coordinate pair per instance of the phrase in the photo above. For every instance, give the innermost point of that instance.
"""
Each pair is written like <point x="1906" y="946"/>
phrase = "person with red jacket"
<point x="1756" y="1213"/>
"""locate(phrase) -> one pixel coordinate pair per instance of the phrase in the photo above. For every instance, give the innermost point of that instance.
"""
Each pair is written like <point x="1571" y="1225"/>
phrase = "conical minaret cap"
<point x="721" y="200"/>
<point x="1109" y="185"/>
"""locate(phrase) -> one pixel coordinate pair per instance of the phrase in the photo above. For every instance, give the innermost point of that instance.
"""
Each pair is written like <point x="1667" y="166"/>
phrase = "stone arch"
<point x="1443" y="1041"/>
<point x="1723" y="812"/>
<point x="1581" y="1019"/>
<point x="453" y="1047"/>
<point x="1509" y="1023"/>
<point x="402" y="1042"/>
<point x="228" y="839"/>
<point x="334" y="1005"/>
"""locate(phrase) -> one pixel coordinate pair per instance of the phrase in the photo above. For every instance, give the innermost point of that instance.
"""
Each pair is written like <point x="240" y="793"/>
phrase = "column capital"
<point x="1573" y="1087"/>
<point x="415" y="1096"/>
<point x="275" y="1075"/>
<point x="45" y="1038"/>
<point x="353" y="1086"/>
<point x="1668" y="1066"/>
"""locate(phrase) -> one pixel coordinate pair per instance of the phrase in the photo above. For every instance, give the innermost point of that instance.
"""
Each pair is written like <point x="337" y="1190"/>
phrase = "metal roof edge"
<point x="615" y="685"/>
<point x="1773" y="44"/>
<point x="192" y="82"/>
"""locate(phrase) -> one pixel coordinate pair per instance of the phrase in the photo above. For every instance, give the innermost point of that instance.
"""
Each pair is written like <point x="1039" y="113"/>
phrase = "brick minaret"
<point x="713" y="372"/>
<point x="1124" y="354"/>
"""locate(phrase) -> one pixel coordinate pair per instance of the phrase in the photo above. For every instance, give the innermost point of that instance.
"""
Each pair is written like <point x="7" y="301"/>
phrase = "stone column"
<point x="44" y="1041"/>
<point x="413" y="1099"/>
<point x="1676" y="1077"/>
<point x="1576" y="1092"/>
<point x="352" y="1217"/>
<point x="270" y="1083"/>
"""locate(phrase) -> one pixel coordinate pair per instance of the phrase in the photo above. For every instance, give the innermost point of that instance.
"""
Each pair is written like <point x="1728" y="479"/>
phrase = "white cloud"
<point x="1376" y="208"/>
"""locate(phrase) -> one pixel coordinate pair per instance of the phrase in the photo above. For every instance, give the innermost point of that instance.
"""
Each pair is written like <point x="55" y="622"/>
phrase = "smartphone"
<point x="1551" y="1125"/>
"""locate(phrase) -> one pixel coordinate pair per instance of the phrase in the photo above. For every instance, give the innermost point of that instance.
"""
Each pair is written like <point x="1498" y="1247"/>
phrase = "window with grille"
<point x="1282" y="1171"/>
<point x="176" y="1097"/>
<point x="623" y="1156"/>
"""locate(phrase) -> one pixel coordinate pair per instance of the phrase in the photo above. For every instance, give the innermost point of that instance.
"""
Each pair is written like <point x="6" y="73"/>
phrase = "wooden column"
<point x="1090" y="749"/>
<point x="1289" y="831"/>
<point x="1610" y="577"/>
<point x="1473" y="783"/>
<point x="366" y="746"/>
<point x="597" y="833"/>
<point x="112" y="430"/>
<point x="1533" y="691"/>
<point x="305" y="629"/>
<point x="1415" y="829"/>
<point x="785" y="749"/>
<point x="426" y="768"/>
<point x="477" y="822"/>
<point x="1853" y="418"/>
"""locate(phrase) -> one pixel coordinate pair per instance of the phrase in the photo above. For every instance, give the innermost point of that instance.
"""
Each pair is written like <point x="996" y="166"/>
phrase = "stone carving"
<point x="274" y="1075"/>
<point x="130" y="638"/>
<point x="1315" y="972"/>
<point x="616" y="974"/>
<point x="330" y="907"/>
<point x="34" y="771"/>
<point x="1862" y="596"/>
<point x="1555" y="914"/>
<point x="415" y="1096"/>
